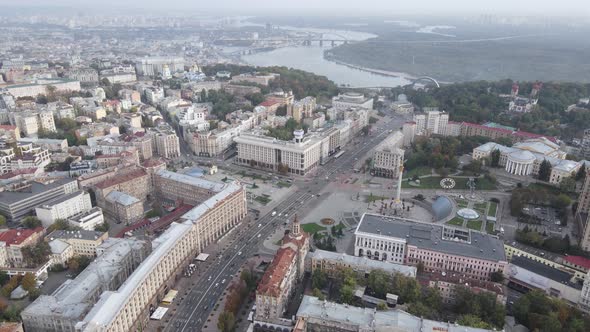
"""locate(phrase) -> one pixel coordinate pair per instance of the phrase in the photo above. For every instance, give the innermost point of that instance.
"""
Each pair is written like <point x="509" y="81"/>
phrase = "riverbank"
<point x="371" y="70"/>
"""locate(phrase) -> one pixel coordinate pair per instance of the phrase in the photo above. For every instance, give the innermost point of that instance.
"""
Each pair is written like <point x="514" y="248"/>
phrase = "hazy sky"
<point x="386" y="7"/>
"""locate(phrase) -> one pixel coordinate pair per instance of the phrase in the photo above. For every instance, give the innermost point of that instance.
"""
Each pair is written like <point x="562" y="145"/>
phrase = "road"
<point x="194" y="307"/>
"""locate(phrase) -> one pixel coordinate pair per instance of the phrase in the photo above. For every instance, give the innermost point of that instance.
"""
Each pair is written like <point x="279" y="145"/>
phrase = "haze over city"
<point x="302" y="166"/>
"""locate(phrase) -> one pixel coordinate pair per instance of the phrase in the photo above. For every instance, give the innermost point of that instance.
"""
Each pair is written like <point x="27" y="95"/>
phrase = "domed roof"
<point x="468" y="213"/>
<point x="442" y="207"/>
<point x="522" y="156"/>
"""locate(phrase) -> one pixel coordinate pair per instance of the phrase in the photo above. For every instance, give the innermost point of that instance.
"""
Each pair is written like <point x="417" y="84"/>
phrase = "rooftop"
<point x="578" y="260"/>
<point x="75" y="297"/>
<point x="36" y="188"/>
<point x="428" y="236"/>
<point x="111" y="302"/>
<point x="121" y="179"/>
<point x="121" y="198"/>
<point x="199" y="210"/>
<point x="78" y="234"/>
<point x="18" y="236"/>
<point x="61" y="199"/>
<point x="363" y="263"/>
<point x="270" y="283"/>
<point x="539" y="269"/>
<point x="191" y="180"/>
<point x="371" y="320"/>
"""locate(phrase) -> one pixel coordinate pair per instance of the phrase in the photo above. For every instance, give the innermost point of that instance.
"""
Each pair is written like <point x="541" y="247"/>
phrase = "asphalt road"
<point x="194" y="308"/>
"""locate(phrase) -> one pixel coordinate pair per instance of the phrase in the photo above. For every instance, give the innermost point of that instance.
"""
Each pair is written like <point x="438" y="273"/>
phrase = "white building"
<point x="63" y="207"/>
<point x="431" y="122"/>
<point x="525" y="158"/>
<point x="388" y="156"/>
<point x="87" y="220"/>
<point x="40" y="87"/>
<point x="352" y="100"/>
<point x="299" y="157"/>
<point x="409" y="132"/>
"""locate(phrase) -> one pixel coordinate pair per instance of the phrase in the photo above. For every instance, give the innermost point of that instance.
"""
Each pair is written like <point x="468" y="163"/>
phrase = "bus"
<point x="339" y="154"/>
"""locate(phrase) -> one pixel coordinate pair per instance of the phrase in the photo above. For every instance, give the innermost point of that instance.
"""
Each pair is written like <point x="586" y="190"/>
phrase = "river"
<point x="311" y="58"/>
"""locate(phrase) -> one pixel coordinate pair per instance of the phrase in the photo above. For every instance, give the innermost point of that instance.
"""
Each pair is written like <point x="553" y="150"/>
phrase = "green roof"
<point x="497" y="125"/>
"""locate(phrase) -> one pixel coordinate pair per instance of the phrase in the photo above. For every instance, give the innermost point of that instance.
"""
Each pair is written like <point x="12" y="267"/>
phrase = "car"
<point x="217" y="284"/>
<point x="209" y="279"/>
<point x="258" y="235"/>
<point x="274" y="213"/>
<point x="223" y="281"/>
<point x="280" y="214"/>
<point x="259" y="225"/>
<point x="239" y="253"/>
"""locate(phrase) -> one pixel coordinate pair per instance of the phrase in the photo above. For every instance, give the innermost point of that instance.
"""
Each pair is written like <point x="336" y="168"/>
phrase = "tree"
<point x="568" y="184"/>
<point x="545" y="170"/>
<point x="382" y="306"/>
<point x="4" y="278"/>
<point x="9" y="286"/>
<point x="59" y="224"/>
<point x="104" y="227"/>
<point x="226" y="322"/>
<point x="319" y="279"/>
<point x="318" y="293"/>
<point x="379" y="281"/>
<point x="581" y="173"/>
<point x="497" y="276"/>
<point x="31" y="222"/>
<point x="2" y="221"/>
<point x="473" y="321"/>
<point x="29" y="282"/>
<point x="495" y="162"/>
<point x="347" y="294"/>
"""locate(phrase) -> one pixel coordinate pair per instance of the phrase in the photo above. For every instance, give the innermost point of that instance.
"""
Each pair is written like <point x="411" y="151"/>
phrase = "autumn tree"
<point x="29" y="282"/>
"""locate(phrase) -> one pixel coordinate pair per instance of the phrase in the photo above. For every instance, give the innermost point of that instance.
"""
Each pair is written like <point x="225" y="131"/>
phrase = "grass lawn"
<point x="373" y="198"/>
<point x="490" y="228"/>
<point x="474" y="224"/>
<point x="480" y="207"/>
<point x="283" y="184"/>
<point x="433" y="182"/>
<point x="493" y="208"/>
<point x="457" y="221"/>
<point x="312" y="228"/>
<point x="418" y="171"/>
<point x="461" y="203"/>
<point x="263" y="199"/>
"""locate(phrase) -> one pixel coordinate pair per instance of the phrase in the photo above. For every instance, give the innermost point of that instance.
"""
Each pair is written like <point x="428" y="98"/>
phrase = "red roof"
<point x="268" y="103"/>
<point x="18" y="236"/>
<point x="578" y="260"/>
<point x="18" y="172"/>
<point x="7" y="127"/>
<point x="517" y="133"/>
<point x="121" y="179"/>
<point x="271" y="280"/>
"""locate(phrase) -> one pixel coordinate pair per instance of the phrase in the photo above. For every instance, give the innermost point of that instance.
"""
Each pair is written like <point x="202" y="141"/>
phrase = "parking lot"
<point x="543" y="218"/>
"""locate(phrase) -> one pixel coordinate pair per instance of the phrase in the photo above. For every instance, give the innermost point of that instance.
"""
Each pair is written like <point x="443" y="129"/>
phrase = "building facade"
<point x="437" y="248"/>
<point x="63" y="207"/>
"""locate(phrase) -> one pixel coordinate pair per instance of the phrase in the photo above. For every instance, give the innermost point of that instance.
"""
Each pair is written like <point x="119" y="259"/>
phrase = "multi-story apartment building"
<point x="303" y="108"/>
<point x="31" y="122"/>
<point x="135" y="183"/>
<point x="127" y="308"/>
<point x="123" y="207"/>
<point x="318" y="315"/>
<point x="12" y="241"/>
<point x="84" y="75"/>
<point x="84" y="242"/>
<point x="9" y="133"/>
<point x="165" y="142"/>
<point x="409" y="132"/>
<point x="63" y="207"/>
<point x="20" y="199"/>
<point x="584" y="302"/>
<point x="332" y="263"/>
<point x="437" y="247"/>
<point x="281" y="277"/>
<point x="352" y="100"/>
<point x="255" y="78"/>
<point x="300" y="156"/>
<point x="188" y="189"/>
<point x="388" y="157"/>
<point x="65" y="308"/>
<point x="447" y="285"/>
<point x="431" y="122"/>
<point x="40" y="87"/>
